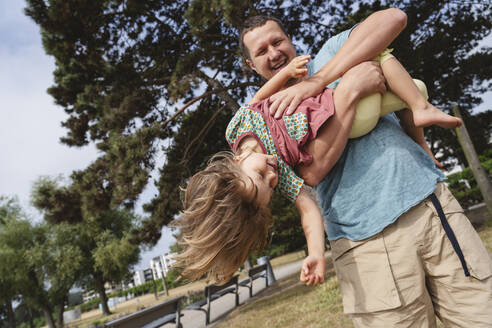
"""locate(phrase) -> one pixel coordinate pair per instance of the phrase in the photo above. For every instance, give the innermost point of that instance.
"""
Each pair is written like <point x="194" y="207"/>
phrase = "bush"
<point x="90" y="305"/>
<point x="465" y="195"/>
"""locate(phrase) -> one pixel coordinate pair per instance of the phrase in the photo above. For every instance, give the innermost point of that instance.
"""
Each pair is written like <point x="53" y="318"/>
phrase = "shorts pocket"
<point x="365" y="275"/>
<point x="477" y="258"/>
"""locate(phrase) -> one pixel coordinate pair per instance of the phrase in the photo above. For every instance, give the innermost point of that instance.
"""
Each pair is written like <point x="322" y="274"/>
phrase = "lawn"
<point x="292" y="304"/>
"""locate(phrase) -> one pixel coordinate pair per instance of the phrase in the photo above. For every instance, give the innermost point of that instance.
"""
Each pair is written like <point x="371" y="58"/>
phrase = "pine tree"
<point x="146" y="80"/>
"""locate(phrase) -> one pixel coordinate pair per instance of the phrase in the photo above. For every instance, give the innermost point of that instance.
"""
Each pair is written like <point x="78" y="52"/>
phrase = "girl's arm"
<point x="294" y="70"/>
<point x="313" y="266"/>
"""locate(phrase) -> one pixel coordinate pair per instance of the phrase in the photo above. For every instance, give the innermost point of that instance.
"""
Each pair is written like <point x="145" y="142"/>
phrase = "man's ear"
<point x="251" y="65"/>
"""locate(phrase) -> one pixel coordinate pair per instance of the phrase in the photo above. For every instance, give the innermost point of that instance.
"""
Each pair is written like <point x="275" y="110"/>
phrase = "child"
<point x="226" y="214"/>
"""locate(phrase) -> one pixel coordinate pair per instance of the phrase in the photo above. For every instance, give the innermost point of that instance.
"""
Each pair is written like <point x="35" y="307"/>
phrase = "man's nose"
<point x="273" y="53"/>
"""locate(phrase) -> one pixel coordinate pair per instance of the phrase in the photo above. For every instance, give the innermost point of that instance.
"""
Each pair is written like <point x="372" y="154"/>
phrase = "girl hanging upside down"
<point x="226" y="214"/>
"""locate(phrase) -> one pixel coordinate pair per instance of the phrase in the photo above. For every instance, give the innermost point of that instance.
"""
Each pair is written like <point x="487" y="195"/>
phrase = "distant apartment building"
<point x="161" y="265"/>
<point x="138" y="277"/>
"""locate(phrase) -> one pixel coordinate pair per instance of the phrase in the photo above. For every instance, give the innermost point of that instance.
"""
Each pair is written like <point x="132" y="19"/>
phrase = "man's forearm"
<point x="365" y="42"/>
<point x="328" y="146"/>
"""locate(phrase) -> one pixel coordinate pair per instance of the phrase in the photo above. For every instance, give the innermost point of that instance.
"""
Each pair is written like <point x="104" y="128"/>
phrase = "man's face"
<point x="269" y="49"/>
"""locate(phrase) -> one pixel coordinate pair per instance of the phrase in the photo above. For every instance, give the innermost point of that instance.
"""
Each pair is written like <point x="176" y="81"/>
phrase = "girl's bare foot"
<point x="430" y="115"/>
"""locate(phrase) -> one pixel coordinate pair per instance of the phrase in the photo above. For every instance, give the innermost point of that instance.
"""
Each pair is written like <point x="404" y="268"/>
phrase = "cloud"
<point x="30" y="134"/>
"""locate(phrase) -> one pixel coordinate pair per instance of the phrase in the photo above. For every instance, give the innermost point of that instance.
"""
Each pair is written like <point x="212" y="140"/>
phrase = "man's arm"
<point x="365" y="42"/>
<point x="361" y="80"/>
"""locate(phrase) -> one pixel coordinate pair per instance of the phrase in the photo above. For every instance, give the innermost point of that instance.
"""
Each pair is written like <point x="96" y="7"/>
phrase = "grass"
<point x="287" y="258"/>
<point x="485" y="232"/>
<point x="297" y="305"/>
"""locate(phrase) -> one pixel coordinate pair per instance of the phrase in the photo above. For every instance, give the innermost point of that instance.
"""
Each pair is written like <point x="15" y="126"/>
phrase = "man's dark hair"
<point x="252" y="23"/>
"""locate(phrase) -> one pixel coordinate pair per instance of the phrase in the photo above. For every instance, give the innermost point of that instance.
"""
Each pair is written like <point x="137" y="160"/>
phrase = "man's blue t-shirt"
<point x="379" y="176"/>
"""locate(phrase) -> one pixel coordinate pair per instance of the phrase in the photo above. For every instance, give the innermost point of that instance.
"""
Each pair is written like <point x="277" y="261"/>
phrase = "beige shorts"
<point x="407" y="274"/>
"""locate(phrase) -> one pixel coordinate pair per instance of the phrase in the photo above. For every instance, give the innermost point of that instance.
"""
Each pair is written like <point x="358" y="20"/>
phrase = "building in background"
<point x="138" y="277"/>
<point x="161" y="265"/>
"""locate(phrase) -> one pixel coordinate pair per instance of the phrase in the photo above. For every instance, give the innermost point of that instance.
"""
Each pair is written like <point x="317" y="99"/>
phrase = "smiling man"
<point x="402" y="248"/>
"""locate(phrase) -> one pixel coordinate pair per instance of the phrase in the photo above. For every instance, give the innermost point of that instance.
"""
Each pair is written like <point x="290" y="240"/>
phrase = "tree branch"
<point x="202" y="132"/>
<point x="206" y="94"/>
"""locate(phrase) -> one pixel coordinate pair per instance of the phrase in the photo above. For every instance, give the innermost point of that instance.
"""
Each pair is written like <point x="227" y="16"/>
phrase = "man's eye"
<point x="261" y="53"/>
<point x="276" y="43"/>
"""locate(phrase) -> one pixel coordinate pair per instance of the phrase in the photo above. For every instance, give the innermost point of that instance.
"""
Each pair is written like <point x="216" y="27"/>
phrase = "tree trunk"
<point x="247" y="264"/>
<point x="49" y="316"/>
<point x="10" y="314"/>
<point x="102" y="296"/>
<point x="31" y="319"/>
<point x="482" y="178"/>
<point x="60" y="310"/>
<point x="164" y="286"/>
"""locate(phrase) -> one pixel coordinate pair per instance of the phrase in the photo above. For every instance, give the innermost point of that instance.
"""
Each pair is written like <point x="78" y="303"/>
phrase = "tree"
<point x="127" y="71"/>
<point x="39" y="262"/>
<point x="9" y="211"/>
<point x="103" y="230"/>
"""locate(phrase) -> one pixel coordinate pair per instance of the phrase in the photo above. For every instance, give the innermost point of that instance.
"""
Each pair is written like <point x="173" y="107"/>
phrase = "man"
<point x="402" y="248"/>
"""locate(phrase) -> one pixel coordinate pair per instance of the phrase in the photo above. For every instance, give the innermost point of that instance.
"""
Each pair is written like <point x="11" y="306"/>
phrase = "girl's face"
<point x="261" y="176"/>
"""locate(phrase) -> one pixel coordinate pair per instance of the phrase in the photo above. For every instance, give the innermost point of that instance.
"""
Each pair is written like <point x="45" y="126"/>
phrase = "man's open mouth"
<point x="279" y="65"/>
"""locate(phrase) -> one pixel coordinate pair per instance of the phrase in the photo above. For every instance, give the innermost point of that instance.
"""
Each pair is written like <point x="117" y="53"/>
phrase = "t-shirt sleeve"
<point x="329" y="49"/>
<point x="289" y="184"/>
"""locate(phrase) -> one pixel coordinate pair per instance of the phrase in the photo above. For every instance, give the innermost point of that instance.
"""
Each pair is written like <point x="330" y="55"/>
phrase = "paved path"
<point x="221" y="306"/>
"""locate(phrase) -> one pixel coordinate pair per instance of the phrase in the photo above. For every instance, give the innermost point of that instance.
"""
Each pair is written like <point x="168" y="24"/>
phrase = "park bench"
<point x="151" y="317"/>
<point x="254" y="273"/>
<point x="213" y="292"/>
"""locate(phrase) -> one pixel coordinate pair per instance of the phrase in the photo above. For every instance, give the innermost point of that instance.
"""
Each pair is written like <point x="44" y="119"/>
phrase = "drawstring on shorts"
<point x="449" y="232"/>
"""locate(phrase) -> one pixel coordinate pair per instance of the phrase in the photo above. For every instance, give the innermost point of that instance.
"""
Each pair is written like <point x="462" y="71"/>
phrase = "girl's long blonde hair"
<point x="218" y="228"/>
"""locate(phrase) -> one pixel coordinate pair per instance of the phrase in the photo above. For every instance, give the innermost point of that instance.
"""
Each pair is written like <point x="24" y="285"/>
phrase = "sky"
<point x="29" y="136"/>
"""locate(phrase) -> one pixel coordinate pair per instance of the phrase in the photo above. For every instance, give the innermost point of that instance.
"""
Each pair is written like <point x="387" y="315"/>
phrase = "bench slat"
<point x="170" y="318"/>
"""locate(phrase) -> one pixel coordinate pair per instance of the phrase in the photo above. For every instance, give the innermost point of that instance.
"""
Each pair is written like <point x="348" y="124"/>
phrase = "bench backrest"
<point x="212" y="289"/>
<point x="257" y="269"/>
<point x="147" y="315"/>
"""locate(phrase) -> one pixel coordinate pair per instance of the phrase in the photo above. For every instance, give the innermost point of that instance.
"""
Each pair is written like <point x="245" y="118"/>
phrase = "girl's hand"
<point x="297" y="66"/>
<point x="313" y="270"/>
<point x="429" y="152"/>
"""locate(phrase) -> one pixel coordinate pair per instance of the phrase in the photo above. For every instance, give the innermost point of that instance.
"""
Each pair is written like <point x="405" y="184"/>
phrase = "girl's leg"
<point x="424" y="113"/>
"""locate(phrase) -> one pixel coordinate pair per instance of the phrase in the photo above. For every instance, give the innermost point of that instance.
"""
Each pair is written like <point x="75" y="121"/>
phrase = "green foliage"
<point x="102" y="235"/>
<point x="39" y="262"/>
<point x="286" y="234"/>
<point x="469" y="196"/>
<point x="90" y="305"/>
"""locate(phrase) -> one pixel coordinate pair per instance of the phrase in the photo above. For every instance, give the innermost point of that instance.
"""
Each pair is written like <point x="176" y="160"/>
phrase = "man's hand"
<point x="291" y="97"/>
<point x="364" y="79"/>
<point x="313" y="270"/>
